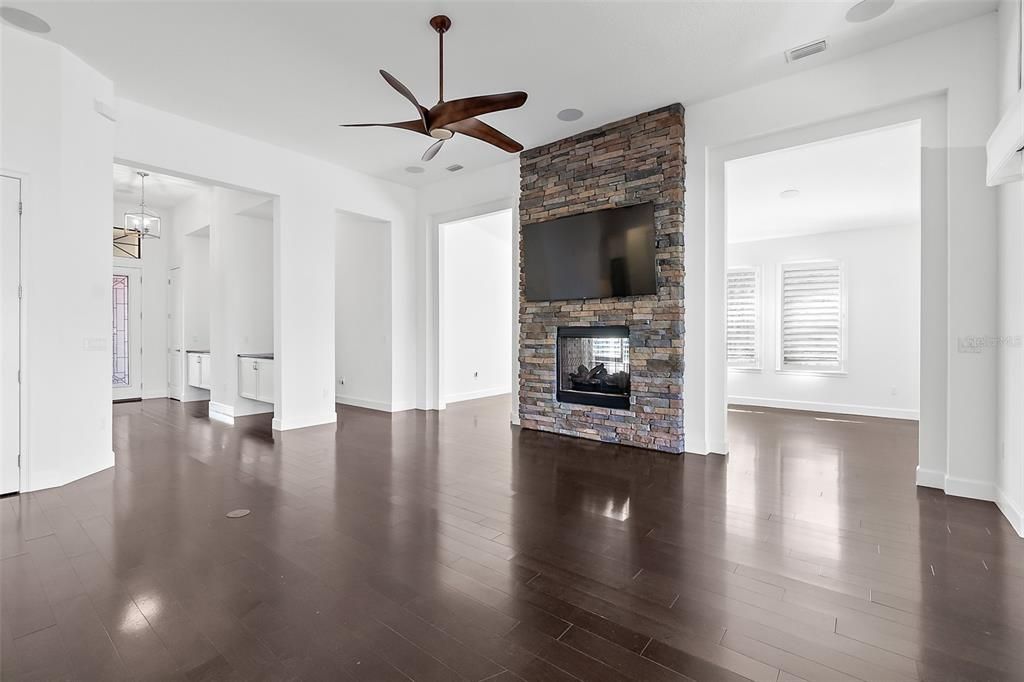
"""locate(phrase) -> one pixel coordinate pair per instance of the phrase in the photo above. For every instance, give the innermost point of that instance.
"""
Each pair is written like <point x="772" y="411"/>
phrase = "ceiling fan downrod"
<point x="441" y="24"/>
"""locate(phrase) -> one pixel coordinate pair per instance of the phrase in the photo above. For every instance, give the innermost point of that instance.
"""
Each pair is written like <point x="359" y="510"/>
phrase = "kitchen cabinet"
<point x="265" y="380"/>
<point x="256" y="379"/>
<point x="199" y="370"/>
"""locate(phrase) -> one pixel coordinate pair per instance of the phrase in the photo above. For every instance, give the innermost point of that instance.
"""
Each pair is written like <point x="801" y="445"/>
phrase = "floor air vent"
<point x="806" y="50"/>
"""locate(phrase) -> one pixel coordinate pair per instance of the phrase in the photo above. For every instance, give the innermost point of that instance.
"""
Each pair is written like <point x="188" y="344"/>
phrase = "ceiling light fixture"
<point x="789" y="194"/>
<point x="570" y="115"/>
<point x="22" y="19"/>
<point x="143" y="222"/>
<point x="414" y="169"/>
<point x="866" y="10"/>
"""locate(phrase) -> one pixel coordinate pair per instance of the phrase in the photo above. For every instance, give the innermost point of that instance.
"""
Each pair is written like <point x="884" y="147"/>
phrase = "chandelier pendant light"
<point x="143" y="222"/>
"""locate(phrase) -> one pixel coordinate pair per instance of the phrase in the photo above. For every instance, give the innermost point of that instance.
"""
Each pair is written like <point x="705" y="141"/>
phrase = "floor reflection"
<point x="449" y="545"/>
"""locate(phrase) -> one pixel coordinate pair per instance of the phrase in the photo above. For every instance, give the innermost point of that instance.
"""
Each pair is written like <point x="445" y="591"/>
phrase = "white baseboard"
<point x="719" y="448"/>
<point x="834" y="408"/>
<point x="972" y="488"/>
<point x="222" y="412"/>
<point x="930" y="478"/>
<point x="302" y="423"/>
<point x="475" y="395"/>
<point x="1011" y="511"/>
<point x="380" y="405"/>
<point x="32" y="481"/>
<point x="150" y="395"/>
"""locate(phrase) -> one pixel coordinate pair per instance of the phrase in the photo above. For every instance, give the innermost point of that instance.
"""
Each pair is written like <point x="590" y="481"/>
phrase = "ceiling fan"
<point x="443" y="120"/>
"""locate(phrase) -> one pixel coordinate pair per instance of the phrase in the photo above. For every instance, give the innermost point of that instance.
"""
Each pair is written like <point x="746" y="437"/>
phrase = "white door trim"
<point x="18" y="482"/>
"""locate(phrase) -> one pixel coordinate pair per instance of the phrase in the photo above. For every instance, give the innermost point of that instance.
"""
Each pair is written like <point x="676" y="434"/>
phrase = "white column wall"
<point x="241" y="297"/>
<point x="55" y="139"/>
<point x="1010" y="465"/>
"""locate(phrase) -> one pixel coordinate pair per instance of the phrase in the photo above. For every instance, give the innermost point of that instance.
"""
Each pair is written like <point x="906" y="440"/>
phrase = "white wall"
<point x="52" y="134"/>
<point x="477" y="310"/>
<point x="461" y="196"/>
<point x="1011" y="297"/>
<point x="241" y="295"/>
<point x="882" y="279"/>
<point x="196" y="290"/>
<point x="362" y="324"/>
<point x="961" y="458"/>
<point x="153" y="267"/>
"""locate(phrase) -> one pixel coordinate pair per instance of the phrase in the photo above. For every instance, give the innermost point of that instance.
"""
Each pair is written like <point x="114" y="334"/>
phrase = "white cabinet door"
<point x="265" y="370"/>
<point x="194" y="371"/>
<point x="204" y="371"/>
<point x="248" y="378"/>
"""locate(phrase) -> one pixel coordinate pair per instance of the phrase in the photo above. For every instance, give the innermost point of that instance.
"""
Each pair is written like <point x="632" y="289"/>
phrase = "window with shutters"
<point x="812" y="317"/>
<point x="743" y="319"/>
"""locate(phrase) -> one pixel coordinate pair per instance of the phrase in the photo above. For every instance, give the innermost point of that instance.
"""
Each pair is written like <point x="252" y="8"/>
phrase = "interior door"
<point x="10" y="334"/>
<point x="126" y="337"/>
<point x="175" y="354"/>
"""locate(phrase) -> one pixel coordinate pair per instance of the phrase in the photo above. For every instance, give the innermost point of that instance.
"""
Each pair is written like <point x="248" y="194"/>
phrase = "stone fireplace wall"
<point x="636" y="160"/>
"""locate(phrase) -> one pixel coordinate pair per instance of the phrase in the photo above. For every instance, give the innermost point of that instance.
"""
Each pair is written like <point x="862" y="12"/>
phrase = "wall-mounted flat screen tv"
<point x="591" y="255"/>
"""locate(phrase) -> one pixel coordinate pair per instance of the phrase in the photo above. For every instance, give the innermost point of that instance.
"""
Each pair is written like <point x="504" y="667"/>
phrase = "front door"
<point x="126" y="334"/>
<point x="10" y="334"/>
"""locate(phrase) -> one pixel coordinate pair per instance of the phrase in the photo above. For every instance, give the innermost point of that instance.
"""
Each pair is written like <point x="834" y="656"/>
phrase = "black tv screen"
<point x="591" y="255"/>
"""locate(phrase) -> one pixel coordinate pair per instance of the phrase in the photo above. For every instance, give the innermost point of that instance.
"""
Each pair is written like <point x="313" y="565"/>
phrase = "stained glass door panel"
<point x="126" y="334"/>
<point x="121" y="347"/>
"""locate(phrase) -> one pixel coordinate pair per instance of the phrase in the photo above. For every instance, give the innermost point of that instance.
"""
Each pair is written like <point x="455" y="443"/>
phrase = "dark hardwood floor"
<point x="455" y="547"/>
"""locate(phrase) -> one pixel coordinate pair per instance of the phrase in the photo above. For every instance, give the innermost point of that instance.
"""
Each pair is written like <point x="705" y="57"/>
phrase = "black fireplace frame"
<point x="619" y="402"/>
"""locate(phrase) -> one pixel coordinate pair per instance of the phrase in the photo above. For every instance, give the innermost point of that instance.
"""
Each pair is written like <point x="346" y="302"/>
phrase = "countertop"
<point x="257" y="356"/>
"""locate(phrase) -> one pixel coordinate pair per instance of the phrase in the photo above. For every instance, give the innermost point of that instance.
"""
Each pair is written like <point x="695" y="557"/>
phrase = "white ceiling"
<point x="868" y="180"/>
<point x="290" y="72"/>
<point x="162" y="191"/>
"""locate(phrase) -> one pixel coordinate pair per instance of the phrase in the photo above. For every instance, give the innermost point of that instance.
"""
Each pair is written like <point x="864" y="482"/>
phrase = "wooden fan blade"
<point x="445" y="113"/>
<point x="416" y="125"/>
<point x="476" y="128"/>
<point x="406" y="93"/>
<point x="433" y="149"/>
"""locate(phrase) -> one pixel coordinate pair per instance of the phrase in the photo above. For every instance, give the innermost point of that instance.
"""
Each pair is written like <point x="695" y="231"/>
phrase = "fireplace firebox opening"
<point x="593" y="366"/>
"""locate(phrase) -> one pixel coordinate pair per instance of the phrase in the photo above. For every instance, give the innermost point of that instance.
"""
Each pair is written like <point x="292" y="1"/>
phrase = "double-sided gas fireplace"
<point x="593" y="366"/>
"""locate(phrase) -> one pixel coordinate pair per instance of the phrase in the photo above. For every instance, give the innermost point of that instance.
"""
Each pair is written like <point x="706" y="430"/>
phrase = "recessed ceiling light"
<point x="570" y="115"/>
<point x="414" y="169"/>
<point x="789" y="194"/>
<point x="454" y="167"/>
<point x="22" y="19"/>
<point x="866" y="10"/>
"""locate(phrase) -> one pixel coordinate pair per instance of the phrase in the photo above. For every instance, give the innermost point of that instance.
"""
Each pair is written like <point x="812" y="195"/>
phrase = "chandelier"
<point x="143" y="222"/>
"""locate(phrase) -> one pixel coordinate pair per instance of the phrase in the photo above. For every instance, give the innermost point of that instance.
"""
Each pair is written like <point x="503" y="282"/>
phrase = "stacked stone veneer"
<point x="632" y="161"/>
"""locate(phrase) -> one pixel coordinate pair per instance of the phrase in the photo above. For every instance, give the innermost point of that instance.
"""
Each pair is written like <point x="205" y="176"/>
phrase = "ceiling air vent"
<point x="454" y="167"/>
<point x="806" y="50"/>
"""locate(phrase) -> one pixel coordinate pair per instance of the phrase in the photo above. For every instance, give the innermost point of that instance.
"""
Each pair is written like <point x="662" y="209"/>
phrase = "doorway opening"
<point x="475" y="307"/>
<point x="187" y="306"/>
<point x="823" y="284"/>
<point x="362" y="315"/>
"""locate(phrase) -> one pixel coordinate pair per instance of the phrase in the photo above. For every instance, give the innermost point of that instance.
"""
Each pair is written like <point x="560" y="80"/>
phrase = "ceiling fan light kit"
<point x="443" y="120"/>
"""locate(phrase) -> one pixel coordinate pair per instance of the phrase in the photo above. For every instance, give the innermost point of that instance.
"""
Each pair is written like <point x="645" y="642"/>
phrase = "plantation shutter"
<point x="812" y="316"/>
<point x="741" y="317"/>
